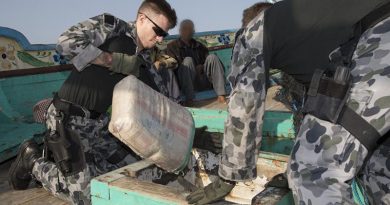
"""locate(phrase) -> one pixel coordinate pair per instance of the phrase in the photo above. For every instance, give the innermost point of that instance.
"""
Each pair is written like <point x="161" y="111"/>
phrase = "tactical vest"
<point x="328" y="92"/>
<point x="93" y="87"/>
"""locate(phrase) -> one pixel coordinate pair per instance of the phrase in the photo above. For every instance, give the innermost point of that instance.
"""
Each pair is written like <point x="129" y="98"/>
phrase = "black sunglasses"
<point x="157" y="29"/>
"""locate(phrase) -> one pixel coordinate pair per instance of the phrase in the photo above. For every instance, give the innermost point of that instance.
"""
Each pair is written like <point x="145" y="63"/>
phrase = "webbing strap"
<point x="375" y="16"/>
<point x="349" y="119"/>
<point x="359" y="128"/>
<point x="331" y="88"/>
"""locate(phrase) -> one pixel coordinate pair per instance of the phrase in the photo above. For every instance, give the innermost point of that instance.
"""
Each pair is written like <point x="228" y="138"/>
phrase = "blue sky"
<point x="42" y="21"/>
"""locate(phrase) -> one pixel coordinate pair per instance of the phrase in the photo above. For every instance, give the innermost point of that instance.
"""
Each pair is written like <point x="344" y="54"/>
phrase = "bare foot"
<point x="222" y="99"/>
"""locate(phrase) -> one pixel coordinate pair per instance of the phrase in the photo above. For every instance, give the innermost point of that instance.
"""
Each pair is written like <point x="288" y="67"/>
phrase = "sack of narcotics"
<point x="152" y="125"/>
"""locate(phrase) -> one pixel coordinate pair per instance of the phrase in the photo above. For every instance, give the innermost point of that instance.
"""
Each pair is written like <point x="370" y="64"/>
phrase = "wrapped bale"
<point x="153" y="126"/>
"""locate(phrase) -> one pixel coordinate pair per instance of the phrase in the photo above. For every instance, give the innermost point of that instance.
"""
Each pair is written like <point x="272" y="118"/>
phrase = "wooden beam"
<point x="134" y="169"/>
<point x="35" y="71"/>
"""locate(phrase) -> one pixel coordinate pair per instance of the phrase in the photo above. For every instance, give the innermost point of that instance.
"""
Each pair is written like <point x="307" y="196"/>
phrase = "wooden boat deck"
<point x="38" y="196"/>
<point x="271" y="104"/>
<point x="33" y="196"/>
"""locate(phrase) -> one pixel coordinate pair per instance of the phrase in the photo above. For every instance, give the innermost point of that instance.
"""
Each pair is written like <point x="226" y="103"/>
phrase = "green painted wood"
<point x="123" y="197"/>
<point x="100" y="189"/>
<point x="273" y="156"/>
<point x="278" y="124"/>
<point x="287" y="200"/>
<point x="278" y="127"/>
<point x="21" y="93"/>
<point x="105" y="189"/>
<point x="279" y="145"/>
<point x="213" y="119"/>
<point x="9" y="145"/>
<point x="225" y="55"/>
<point x="18" y="95"/>
<point x="99" y="201"/>
<point x="100" y="185"/>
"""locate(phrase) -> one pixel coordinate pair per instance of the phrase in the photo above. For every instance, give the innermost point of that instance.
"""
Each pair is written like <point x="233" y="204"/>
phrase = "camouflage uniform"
<point x="326" y="157"/>
<point x="98" y="145"/>
<point x="80" y="44"/>
<point x="246" y="107"/>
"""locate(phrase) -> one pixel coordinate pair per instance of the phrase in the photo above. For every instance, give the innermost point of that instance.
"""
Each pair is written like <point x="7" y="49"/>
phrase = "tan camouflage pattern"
<point x="326" y="157"/>
<point x="246" y="107"/>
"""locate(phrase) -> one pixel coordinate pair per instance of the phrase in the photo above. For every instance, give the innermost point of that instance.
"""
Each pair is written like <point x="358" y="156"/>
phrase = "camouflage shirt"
<point x="80" y="43"/>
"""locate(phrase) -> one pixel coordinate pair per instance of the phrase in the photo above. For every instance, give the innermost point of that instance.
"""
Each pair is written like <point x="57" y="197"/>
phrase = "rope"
<point x="359" y="195"/>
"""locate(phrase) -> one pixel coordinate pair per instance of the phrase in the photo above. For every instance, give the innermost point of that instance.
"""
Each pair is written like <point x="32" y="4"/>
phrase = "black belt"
<point x="73" y="110"/>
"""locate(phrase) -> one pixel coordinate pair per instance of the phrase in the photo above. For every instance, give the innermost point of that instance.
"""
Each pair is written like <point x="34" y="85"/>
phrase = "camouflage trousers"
<point x="98" y="145"/>
<point x="243" y="126"/>
<point x="326" y="157"/>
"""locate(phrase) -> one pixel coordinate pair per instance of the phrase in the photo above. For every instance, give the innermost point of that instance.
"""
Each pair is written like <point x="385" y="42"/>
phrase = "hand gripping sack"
<point x="153" y="126"/>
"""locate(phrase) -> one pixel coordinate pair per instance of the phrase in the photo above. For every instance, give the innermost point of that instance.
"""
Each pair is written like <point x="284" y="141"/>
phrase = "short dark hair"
<point x="250" y="13"/>
<point x="160" y="7"/>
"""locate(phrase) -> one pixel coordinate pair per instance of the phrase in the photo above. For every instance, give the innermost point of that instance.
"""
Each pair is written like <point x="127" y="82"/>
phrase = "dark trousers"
<point x="170" y="82"/>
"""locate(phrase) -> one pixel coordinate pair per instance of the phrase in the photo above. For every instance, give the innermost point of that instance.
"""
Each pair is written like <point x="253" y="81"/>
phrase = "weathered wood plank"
<point x="271" y="164"/>
<point x="46" y="200"/>
<point x="134" y="169"/>
<point x="271" y="103"/>
<point x="134" y="190"/>
<point x="210" y="104"/>
<point x="137" y="190"/>
<point x="34" y="196"/>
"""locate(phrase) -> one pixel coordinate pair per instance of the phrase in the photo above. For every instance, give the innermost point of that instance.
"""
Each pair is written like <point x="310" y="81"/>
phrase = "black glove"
<point x="279" y="181"/>
<point x="211" y="193"/>
<point x="208" y="140"/>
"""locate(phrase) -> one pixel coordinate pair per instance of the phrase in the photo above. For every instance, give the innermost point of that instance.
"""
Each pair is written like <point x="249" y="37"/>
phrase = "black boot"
<point x="20" y="173"/>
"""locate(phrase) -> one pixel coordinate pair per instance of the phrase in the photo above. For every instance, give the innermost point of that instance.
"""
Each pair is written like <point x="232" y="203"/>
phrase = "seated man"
<point x="198" y="70"/>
